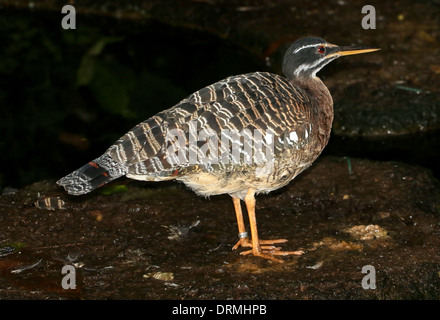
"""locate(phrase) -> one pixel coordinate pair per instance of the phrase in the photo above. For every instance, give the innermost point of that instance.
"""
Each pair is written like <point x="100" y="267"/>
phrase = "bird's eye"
<point x="321" y="49"/>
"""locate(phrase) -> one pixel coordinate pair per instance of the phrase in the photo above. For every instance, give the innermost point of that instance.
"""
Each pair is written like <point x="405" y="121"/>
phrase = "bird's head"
<point x="307" y="56"/>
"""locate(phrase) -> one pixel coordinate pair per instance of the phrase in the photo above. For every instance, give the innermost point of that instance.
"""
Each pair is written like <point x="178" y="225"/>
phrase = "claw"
<point x="266" y="251"/>
<point x="259" y="248"/>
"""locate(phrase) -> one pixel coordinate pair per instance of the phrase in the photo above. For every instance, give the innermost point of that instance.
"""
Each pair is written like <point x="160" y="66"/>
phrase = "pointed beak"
<point x="346" y="51"/>
<point x="350" y="50"/>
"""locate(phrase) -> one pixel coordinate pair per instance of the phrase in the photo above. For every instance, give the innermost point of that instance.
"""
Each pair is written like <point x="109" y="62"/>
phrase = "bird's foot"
<point x="265" y="249"/>
<point x="246" y="242"/>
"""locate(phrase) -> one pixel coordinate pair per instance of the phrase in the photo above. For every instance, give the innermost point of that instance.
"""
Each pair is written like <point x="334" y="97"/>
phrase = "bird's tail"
<point x="92" y="175"/>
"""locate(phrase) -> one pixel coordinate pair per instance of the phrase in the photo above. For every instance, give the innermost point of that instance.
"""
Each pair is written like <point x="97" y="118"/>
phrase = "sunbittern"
<point x="213" y="140"/>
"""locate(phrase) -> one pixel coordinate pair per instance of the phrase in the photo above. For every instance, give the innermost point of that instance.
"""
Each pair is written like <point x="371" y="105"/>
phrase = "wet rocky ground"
<point x="141" y="241"/>
<point x="66" y="96"/>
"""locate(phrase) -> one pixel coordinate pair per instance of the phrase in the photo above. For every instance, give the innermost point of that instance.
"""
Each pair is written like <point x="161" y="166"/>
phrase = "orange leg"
<point x="243" y="235"/>
<point x="257" y="250"/>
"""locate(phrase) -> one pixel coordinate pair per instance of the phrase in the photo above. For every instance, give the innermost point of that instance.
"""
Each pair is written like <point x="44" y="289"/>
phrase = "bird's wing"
<point x="169" y="143"/>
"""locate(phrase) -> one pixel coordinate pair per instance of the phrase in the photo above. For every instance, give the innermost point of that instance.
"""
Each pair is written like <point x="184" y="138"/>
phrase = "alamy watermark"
<point x="69" y="20"/>
<point x="69" y="280"/>
<point x="369" y="281"/>
<point x="229" y="147"/>
<point x="369" y="21"/>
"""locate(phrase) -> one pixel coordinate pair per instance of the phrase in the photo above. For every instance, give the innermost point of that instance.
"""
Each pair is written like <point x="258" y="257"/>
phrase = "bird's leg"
<point x="243" y="235"/>
<point x="261" y="251"/>
<point x="250" y="206"/>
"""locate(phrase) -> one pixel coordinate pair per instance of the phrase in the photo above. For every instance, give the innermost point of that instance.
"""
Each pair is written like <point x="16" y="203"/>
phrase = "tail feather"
<point x="92" y="175"/>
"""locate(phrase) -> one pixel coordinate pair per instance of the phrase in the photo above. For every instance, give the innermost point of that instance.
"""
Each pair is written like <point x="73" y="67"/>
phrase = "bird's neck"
<point x="317" y="93"/>
<point x="321" y="102"/>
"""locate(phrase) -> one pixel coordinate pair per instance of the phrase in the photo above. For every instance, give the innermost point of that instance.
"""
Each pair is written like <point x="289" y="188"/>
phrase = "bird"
<point x="244" y="135"/>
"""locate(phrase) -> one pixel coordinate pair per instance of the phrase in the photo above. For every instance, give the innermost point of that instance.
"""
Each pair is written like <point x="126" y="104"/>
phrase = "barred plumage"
<point x="243" y="135"/>
<point x="255" y="101"/>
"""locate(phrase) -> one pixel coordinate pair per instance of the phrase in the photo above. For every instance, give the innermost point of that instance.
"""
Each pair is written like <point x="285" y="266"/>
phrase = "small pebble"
<point x="164" y="276"/>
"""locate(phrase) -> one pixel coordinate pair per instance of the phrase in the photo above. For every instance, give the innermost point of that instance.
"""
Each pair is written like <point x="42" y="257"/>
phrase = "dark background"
<point x="67" y="95"/>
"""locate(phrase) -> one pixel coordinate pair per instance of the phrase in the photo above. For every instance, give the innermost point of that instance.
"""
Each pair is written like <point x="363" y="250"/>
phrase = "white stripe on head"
<point x="306" y="66"/>
<point x="306" y="46"/>
<point x="303" y="67"/>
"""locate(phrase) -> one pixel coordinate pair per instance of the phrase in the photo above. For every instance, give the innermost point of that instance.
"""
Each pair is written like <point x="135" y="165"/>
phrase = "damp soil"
<point x="134" y="240"/>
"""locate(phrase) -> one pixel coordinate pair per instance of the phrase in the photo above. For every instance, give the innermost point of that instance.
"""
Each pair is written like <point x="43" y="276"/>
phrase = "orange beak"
<point x="350" y="50"/>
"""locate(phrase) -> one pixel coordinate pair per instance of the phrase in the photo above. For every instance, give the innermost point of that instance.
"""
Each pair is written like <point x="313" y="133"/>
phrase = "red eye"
<point x="321" y="49"/>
